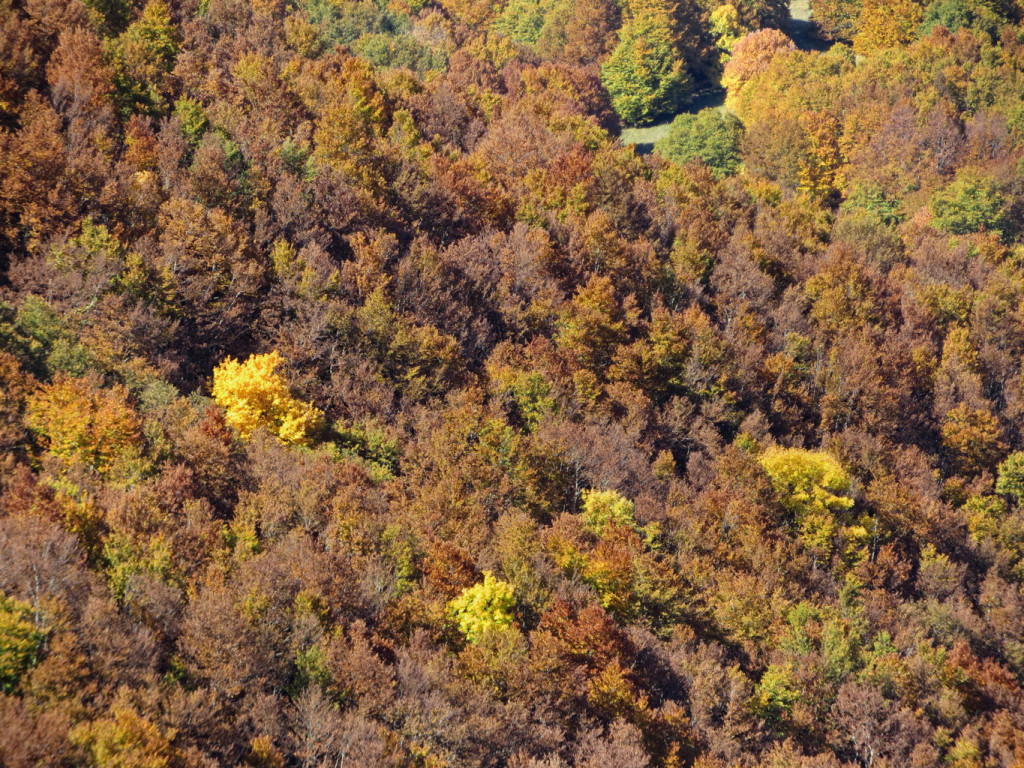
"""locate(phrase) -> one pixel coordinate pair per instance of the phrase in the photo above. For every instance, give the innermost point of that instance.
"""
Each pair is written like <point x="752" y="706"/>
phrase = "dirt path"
<point x="802" y="30"/>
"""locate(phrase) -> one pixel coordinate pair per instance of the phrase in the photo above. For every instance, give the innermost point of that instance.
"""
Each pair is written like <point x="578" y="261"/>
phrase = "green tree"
<point x="711" y="135"/>
<point x="110" y="17"/>
<point x="398" y="51"/>
<point x="954" y="14"/>
<point x="832" y="634"/>
<point x="45" y="342"/>
<point x="646" y="76"/>
<point x="194" y="121"/>
<point x="1010" y="480"/>
<point x="338" y="23"/>
<point x="951" y="14"/>
<point x="20" y="642"/>
<point x="524" y="20"/>
<point x="972" y="203"/>
<point x="143" y="56"/>
<point x="874" y="199"/>
<point x="775" y="695"/>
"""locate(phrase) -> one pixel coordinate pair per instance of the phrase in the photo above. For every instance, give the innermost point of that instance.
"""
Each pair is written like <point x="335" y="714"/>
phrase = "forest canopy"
<point x="366" y="400"/>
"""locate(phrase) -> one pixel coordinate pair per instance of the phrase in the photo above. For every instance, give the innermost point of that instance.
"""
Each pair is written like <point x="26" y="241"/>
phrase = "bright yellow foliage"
<point x="602" y="508"/>
<point x="886" y="24"/>
<point x="821" y="174"/>
<point x="254" y="395"/>
<point x="483" y="606"/>
<point x="726" y="28"/>
<point x="814" y="487"/>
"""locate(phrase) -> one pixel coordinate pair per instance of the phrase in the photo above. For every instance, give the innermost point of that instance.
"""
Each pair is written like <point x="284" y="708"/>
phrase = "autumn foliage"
<point x="366" y="401"/>
<point x="254" y="395"/>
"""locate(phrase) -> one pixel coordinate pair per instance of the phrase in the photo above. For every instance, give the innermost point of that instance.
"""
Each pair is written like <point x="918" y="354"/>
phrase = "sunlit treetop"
<point x="483" y="607"/>
<point x="813" y="487"/>
<point x="254" y="395"/>
<point x="808" y="480"/>
<point x="604" y="508"/>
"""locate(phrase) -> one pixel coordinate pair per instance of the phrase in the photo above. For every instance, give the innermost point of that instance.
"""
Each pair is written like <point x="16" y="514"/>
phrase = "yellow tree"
<point x="354" y="116"/>
<point x="814" y="488"/>
<point x="78" y="420"/>
<point x="821" y="175"/>
<point x="595" y="323"/>
<point x="751" y="55"/>
<point x="603" y="508"/>
<point x="254" y="395"/>
<point x="971" y="439"/>
<point x="483" y="607"/>
<point x="836" y="19"/>
<point x="123" y="738"/>
<point x="727" y="28"/>
<point x="886" y="24"/>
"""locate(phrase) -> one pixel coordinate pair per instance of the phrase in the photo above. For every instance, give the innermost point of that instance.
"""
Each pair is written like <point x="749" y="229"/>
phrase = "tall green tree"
<point x="20" y="641"/>
<point x="972" y="203"/>
<point x="646" y="75"/>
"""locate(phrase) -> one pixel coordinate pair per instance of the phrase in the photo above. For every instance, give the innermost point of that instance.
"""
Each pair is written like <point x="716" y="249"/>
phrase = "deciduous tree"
<point x="645" y="75"/>
<point x="254" y="395"/>
<point x="484" y="607"/>
<point x="79" y="420"/>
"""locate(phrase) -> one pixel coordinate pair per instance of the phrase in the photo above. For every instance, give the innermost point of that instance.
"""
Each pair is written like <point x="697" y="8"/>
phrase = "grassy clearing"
<point x="644" y="138"/>
<point x="800" y="10"/>
<point x="648" y="135"/>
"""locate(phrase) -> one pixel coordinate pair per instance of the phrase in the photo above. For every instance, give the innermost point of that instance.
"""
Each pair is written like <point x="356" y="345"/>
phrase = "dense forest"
<point x="365" y="401"/>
